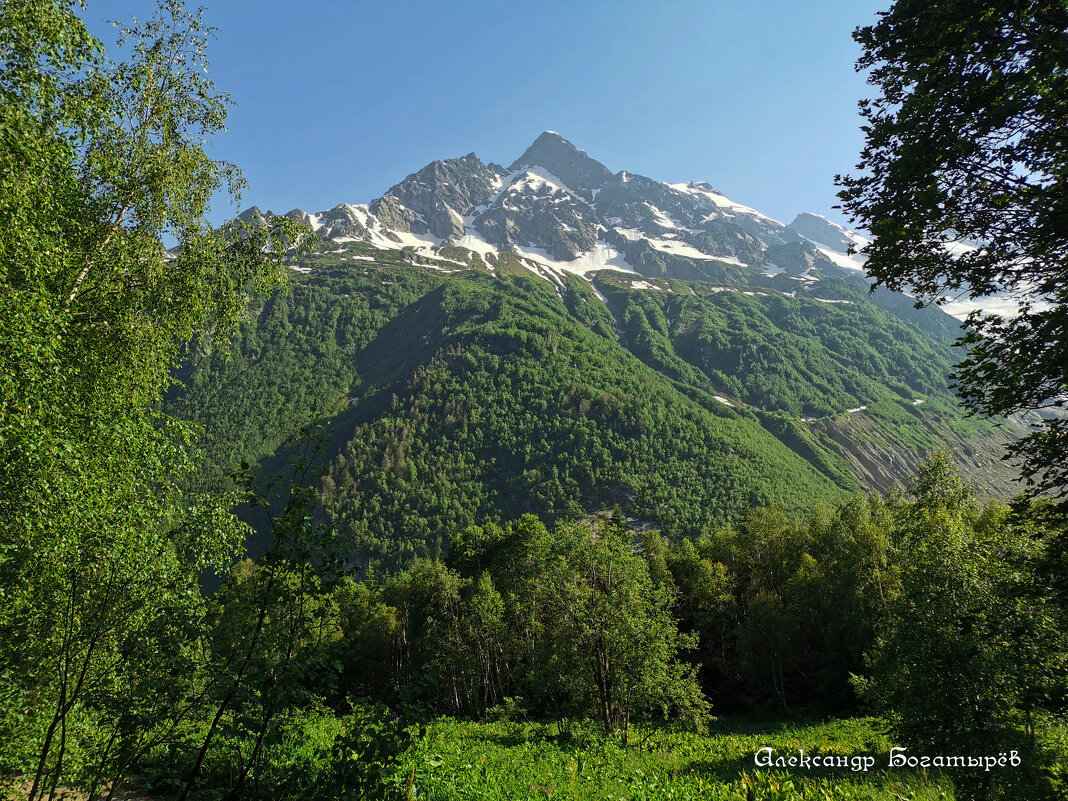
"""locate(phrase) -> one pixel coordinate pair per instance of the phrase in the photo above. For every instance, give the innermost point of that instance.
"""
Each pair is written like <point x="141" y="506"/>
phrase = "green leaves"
<point x="612" y="633"/>
<point x="962" y="184"/>
<point x="103" y="550"/>
<point x="973" y="652"/>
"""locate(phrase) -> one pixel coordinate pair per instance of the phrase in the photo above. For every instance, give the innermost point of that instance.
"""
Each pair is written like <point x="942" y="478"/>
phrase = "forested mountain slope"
<point x="459" y="392"/>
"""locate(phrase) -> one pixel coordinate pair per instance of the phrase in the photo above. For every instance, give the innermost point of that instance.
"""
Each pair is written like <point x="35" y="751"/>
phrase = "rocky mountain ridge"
<point x="561" y="211"/>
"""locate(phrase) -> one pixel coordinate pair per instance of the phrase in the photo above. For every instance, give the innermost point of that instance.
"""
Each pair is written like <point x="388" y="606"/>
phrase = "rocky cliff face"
<point x="558" y="208"/>
<point x="442" y="193"/>
<point x="575" y="169"/>
<point x="880" y="463"/>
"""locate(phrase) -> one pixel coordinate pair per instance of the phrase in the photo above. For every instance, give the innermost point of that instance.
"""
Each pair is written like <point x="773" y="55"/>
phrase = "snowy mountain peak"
<point x="577" y="170"/>
<point x="698" y="187"/>
<point x="556" y="209"/>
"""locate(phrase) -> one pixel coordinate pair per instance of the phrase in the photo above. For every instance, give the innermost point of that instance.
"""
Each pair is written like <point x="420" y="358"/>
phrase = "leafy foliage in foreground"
<point x="973" y="657"/>
<point x="962" y="184"/>
<point x="100" y="548"/>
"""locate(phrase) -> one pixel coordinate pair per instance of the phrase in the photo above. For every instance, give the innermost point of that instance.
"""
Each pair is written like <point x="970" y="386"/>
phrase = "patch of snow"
<point x="676" y="248"/>
<point x="917" y="401"/>
<point x="463" y="265"/>
<point x="533" y="179"/>
<point x="405" y="239"/>
<point x="723" y="400"/>
<point x="360" y="212"/>
<point x="828" y="300"/>
<point x="500" y="185"/>
<point x="645" y="285"/>
<point x="730" y="260"/>
<point x="661" y="219"/>
<point x="1002" y="305"/>
<point x="602" y="257"/>
<point x="854" y="262"/>
<point x="536" y="254"/>
<point x="597" y="292"/>
<point x="433" y="267"/>
<point x="544" y="271"/>
<point x="855" y="410"/>
<point x="420" y="243"/>
<point x="362" y="258"/>
<point x="718" y="199"/>
<point x="298" y="269"/>
<point x="454" y="216"/>
<point x="857" y="239"/>
<point x="474" y="241"/>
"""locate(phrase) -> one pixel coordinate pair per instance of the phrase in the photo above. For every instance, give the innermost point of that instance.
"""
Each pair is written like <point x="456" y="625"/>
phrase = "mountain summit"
<point x="561" y="211"/>
<point x="574" y="168"/>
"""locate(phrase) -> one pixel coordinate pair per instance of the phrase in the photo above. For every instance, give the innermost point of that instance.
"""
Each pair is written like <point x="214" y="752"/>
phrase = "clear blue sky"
<point x="338" y="100"/>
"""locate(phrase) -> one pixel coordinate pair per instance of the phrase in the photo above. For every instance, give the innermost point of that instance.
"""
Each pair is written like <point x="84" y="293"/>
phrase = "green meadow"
<point x="525" y="760"/>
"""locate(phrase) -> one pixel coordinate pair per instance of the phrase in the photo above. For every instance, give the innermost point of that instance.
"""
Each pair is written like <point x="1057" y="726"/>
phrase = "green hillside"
<point x="455" y="395"/>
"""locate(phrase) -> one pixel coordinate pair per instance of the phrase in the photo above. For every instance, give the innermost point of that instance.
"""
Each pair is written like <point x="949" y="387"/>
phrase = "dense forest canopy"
<point x="453" y="398"/>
